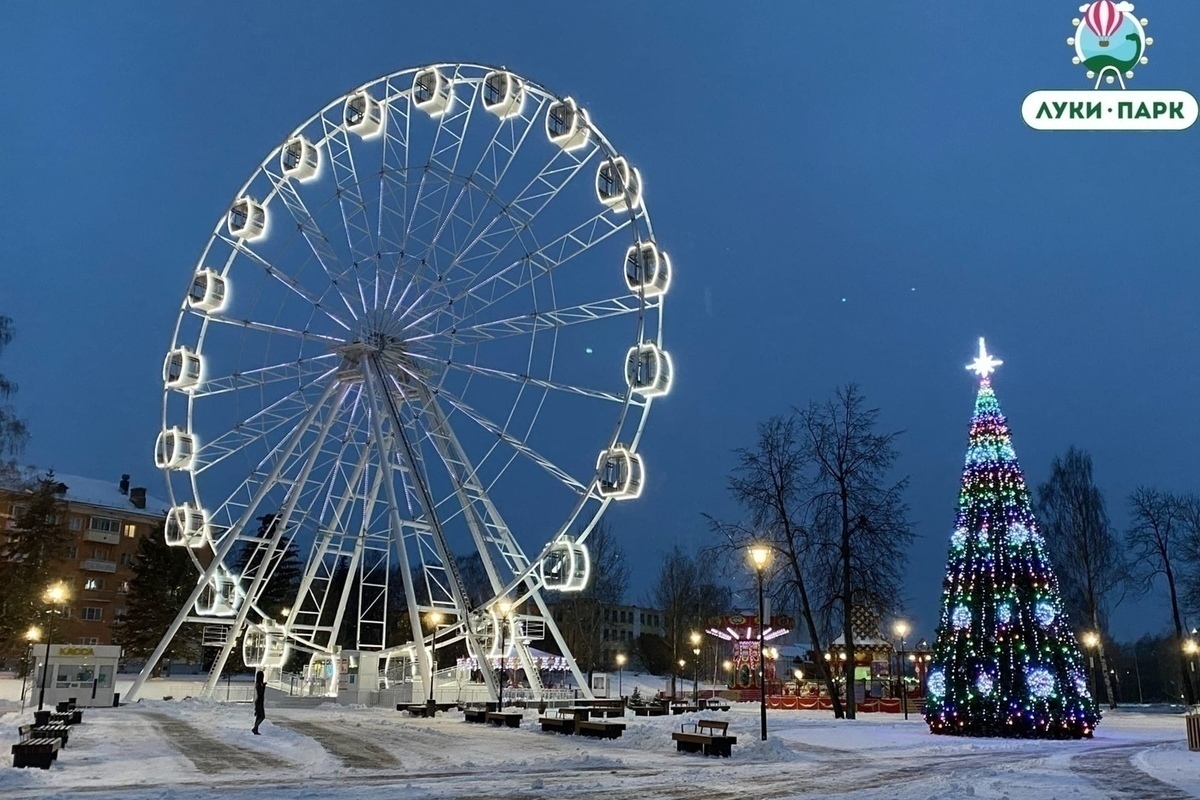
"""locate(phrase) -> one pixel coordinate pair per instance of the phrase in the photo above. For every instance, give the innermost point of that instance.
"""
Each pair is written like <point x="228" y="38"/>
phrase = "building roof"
<point x="107" y="494"/>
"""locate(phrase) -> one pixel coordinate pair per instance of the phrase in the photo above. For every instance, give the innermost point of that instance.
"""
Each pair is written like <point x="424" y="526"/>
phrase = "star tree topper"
<point x="984" y="365"/>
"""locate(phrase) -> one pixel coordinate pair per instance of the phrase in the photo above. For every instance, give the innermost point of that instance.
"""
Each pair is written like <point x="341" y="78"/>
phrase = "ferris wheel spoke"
<point x="521" y="213"/>
<point x="318" y="242"/>
<point x="355" y="219"/>
<point x="535" y="321"/>
<point x="284" y="411"/>
<point x="284" y="278"/>
<point x="525" y="380"/>
<point x="516" y="444"/>
<point x="303" y="371"/>
<point x="283" y="330"/>
<point x="540" y="263"/>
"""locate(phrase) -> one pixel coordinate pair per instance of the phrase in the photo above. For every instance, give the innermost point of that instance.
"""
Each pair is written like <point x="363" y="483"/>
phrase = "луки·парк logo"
<point x="1110" y="43"/>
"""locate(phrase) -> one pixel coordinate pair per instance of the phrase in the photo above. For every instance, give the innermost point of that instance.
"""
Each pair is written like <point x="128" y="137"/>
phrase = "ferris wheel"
<point x="428" y="327"/>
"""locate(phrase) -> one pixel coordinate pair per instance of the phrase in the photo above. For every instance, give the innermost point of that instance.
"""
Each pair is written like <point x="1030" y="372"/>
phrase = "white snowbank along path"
<point x="193" y="749"/>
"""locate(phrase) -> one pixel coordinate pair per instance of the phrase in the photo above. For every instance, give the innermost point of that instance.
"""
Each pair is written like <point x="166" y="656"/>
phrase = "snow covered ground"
<point x="194" y="749"/>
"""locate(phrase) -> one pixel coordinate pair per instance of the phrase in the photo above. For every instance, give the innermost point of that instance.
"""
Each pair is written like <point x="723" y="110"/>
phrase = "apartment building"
<point x="106" y="519"/>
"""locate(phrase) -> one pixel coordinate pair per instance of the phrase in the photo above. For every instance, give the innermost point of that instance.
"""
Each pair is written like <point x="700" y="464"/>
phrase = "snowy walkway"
<point x="191" y="750"/>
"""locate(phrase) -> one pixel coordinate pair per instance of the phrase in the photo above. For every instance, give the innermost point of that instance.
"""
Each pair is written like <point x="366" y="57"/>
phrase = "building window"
<point x="76" y="523"/>
<point x="92" y="613"/>
<point x="72" y="552"/>
<point x="104" y="524"/>
<point x="129" y="530"/>
<point x="123" y="588"/>
<point x="100" y="553"/>
<point x="63" y="611"/>
<point x="93" y="583"/>
<point x="127" y="559"/>
<point x="92" y="640"/>
<point x="120" y="613"/>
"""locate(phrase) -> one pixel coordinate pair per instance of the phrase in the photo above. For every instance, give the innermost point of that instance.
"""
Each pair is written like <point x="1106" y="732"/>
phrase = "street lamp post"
<point x="1191" y="647"/>
<point x="620" y="674"/>
<point x="32" y="635"/>
<point x="695" y="638"/>
<point x="505" y="608"/>
<point x="902" y="631"/>
<point x="56" y="595"/>
<point x="435" y="618"/>
<point x="759" y="556"/>
<point x="1090" y="640"/>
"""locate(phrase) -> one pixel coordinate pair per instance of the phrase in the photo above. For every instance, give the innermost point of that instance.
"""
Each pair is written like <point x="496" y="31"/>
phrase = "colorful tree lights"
<point x="1005" y="662"/>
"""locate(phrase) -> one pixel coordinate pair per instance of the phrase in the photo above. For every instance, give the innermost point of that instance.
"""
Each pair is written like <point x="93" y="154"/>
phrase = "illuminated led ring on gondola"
<point x="187" y="526"/>
<point x="567" y="567"/>
<point x="183" y="369"/>
<point x="647" y="270"/>
<point x="433" y="251"/>
<point x="567" y="125"/>
<point x="618" y="185"/>
<point x="431" y="92"/>
<point x="621" y="473"/>
<point x="264" y="646"/>
<point x="648" y="370"/>
<point x="503" y="94"/>
<point x="207" y="292"/>
<point x="363" y="115"/>
<point x="174" y="449"/>
<point x="299" y="159"/>
<point x="222" y="595"/>
<point x="247" y="219"/>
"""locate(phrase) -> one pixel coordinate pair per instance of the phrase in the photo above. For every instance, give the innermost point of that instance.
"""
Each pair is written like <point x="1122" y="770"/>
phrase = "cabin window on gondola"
<point x="494" y="89"/>
<point x="559" y="121"/>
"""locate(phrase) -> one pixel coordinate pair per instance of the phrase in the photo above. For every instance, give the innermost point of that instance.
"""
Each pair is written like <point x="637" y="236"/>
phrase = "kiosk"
<point x="85" y="672"/>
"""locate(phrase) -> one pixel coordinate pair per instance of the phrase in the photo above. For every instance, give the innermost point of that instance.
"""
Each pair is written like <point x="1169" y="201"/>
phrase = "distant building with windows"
<point x="106" y="520"/>
<point x="619" y="628"/>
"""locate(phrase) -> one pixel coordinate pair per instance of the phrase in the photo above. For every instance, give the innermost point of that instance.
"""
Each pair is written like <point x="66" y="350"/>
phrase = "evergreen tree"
<point x="163" y="577"/>
<point x="13" y="433"/>
<point x="1006" y="662"/>
<point x="31" y="558"/>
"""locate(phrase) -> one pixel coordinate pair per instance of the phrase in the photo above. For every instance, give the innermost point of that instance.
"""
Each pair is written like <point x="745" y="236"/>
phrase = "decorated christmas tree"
<point x="1006" y="662"/>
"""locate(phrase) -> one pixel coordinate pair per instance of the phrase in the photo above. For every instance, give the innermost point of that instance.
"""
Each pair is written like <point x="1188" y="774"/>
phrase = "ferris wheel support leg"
<point x="325" y="541"/>
<point x="371" y="373"/>
<point x="385" y="467"/>
<point x="226" y="545"/>
<point x="580" y="679"/>
<point x="280" y="528"/>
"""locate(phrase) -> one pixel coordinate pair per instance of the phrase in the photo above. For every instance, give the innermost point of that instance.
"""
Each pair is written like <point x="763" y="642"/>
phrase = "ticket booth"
<point x="86" y="673"/>
<point x="358" y="677"/>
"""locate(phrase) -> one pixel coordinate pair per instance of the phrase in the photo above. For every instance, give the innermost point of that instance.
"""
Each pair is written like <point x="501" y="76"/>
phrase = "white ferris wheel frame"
<point x="380" y="386"/>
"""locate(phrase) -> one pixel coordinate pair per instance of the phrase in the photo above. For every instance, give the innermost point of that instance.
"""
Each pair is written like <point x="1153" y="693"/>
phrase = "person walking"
<point x="260" y="704"/>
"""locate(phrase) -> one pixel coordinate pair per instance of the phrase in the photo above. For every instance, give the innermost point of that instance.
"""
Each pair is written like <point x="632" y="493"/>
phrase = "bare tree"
<point x="1083" y="546"/>
<point x="686" y="596"/>
<point x="1157" y="525"/>
<point x="852" y="496"/>
<point x="770" y="482"/>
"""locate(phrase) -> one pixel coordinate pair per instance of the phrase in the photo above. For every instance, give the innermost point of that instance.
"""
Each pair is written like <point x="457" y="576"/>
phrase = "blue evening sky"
<point x="847" y="191"/>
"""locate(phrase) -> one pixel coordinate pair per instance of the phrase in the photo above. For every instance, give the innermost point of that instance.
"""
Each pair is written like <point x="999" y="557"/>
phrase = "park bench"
<point x="422" y="709"/>
<point x="600" y="728"/>
<point x="475" y="715"/>
<point x="603" y="707"/>
<point x="55" y="730"/>
<point x="708" y="736"/>
<point x="34" y="751"/>
<point x="714" y="704"/>
<point x="558" y="722"/>
<point x="683" y="707"/>
<point x="656" y="710"/>
<point x="511" y="719"/>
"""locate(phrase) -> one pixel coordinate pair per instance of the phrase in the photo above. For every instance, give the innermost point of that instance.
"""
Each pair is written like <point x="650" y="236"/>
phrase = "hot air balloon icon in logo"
<point x="1110" y="41"/>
